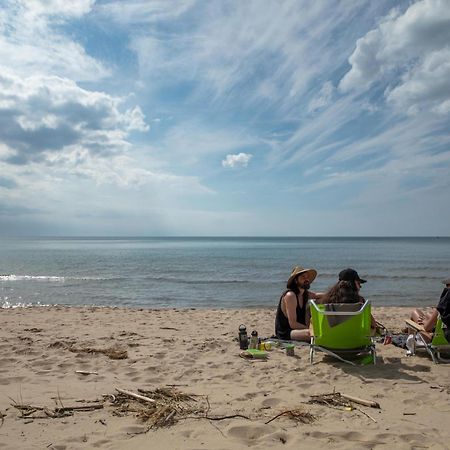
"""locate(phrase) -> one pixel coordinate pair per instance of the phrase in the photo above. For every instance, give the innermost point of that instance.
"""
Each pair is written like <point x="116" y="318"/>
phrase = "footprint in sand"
<point x="249" y="433"/>
<point x="271" y="402"/>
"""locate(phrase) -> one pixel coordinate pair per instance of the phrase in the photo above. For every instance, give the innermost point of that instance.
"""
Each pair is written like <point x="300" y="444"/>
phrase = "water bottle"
<point x="254" y="340"/>
<point x="243" y="338"/>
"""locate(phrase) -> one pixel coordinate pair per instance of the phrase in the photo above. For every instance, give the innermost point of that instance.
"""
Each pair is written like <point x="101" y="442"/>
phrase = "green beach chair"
<point x="438" y="343"/>
<point x="342" y="330"/>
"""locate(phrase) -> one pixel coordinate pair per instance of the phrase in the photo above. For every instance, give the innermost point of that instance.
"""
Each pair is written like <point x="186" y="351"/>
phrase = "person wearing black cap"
<point x="346" y="290"/>
<point x="428" y="320"/>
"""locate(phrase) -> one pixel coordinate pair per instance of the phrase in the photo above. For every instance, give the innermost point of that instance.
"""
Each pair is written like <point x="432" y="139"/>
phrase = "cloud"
<point x="323" y="98"/>
<point x="32" y="40"/>
<point x="407" y="53"/>
<point x="239" y="160"/>
<point x="134" y="12"/>
<point x="426" y="86"/>
<point x="42" y="115"/>
<point x="269" y="56"/>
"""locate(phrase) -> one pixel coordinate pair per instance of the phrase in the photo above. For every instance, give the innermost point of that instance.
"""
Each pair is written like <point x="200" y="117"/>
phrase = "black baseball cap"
<point x="350" y="275"/>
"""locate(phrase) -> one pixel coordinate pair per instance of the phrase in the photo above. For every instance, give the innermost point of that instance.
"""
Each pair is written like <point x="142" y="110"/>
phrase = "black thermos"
<point x="243" y="338"/>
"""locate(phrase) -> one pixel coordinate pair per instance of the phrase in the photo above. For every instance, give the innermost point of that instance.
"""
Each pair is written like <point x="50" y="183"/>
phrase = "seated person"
<point x="428" y="319"/>
<point x="346" y="290"/>
<point x="291" y="321"/>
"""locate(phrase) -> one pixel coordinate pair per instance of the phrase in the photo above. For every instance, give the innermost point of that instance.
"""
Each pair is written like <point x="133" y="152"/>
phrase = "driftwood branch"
<point x="136" y="396"/>
<point x="361" y="401"/>
<point x="368" y="415"/>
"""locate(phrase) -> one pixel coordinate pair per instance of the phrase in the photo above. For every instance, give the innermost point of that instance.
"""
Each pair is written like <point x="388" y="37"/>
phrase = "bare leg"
<point x="301" y="335"/>
<point x="419" y="316"/>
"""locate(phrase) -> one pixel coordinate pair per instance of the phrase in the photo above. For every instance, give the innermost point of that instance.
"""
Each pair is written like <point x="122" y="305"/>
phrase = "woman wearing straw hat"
<point x="291" y="319"/>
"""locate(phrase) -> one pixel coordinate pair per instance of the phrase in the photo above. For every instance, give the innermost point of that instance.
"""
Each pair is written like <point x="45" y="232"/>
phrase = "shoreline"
<point x="196" y="350"/>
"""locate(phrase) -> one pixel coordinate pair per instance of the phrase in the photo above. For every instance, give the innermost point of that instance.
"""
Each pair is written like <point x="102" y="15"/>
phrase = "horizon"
<point x="317" y="119"/>
<point x="218" y="237"/>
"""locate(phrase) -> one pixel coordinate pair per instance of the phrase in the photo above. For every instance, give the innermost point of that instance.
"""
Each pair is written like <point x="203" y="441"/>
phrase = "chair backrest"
<point x="439" y="336"/>
<point x="336" y="327"/>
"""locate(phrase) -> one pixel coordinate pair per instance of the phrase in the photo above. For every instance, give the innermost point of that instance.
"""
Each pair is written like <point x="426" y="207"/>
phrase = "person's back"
<point x="346" y="290"/>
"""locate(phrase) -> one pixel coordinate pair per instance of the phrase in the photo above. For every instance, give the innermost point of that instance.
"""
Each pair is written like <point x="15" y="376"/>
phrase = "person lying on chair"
<point x="428" y="319"/>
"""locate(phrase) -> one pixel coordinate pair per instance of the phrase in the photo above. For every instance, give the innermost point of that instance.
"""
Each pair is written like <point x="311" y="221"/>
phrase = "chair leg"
<point x="440" y="357"/>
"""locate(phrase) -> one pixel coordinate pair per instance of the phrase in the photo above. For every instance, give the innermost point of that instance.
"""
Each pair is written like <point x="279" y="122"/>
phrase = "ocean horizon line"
<point x="112" y="237"/>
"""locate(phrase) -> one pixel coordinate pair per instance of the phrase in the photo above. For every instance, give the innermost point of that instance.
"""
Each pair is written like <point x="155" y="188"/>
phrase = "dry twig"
<point x="295" y="414"/>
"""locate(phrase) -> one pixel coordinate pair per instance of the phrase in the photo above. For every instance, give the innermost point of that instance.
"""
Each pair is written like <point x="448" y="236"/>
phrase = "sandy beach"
<point x="195" y="352"/>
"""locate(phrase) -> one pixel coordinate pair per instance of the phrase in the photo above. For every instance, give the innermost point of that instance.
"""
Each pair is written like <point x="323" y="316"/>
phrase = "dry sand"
<point x="201" y="356"/>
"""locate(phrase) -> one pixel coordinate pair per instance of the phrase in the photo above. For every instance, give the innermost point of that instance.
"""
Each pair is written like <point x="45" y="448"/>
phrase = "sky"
<point x="225" y="118"/>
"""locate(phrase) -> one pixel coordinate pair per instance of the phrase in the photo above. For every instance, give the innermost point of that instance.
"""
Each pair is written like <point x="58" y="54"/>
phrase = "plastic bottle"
<point x="254" y="340"/>
<point x="243" y="338"/>
<point x="410" y="345"/>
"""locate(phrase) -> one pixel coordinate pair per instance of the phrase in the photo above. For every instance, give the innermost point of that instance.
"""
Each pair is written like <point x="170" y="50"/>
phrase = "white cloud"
<point x="280" y="50"/>
<point x="31" y="41"/>
<point x="323" y="98"/>
<point x="414" y="45"/>
<point x="239" y="160"/>
<point x="426" y="86"/>
<point x="133" y="12"/>
<point x="41" y="116"/>
<point x="192" y="143"/>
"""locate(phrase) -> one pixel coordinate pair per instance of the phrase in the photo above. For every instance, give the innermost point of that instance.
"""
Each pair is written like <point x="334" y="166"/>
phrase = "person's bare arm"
<point x="316" y="295"/>
<point x="290" y="302"/>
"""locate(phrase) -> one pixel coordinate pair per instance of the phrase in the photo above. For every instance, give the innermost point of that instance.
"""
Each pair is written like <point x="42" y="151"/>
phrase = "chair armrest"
<point x="414" y="325"/>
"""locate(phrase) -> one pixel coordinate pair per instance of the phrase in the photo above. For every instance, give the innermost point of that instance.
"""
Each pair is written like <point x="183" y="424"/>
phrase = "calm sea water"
<point x="213" y="272"/>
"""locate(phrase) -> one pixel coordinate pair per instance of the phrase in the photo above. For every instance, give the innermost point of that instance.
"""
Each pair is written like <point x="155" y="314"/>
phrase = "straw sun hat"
<point x="297" y="270"/>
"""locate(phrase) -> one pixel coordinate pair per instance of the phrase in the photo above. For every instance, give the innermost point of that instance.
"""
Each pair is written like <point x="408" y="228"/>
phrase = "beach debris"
<point x="338" y="399"/>
<point x="161" y="407"/>
<point x="2" y="418"/>
<point x="361" y="401"/>
<point x="297" y="415"/>
<point x="343" y="401"/>
<point x="44" y="412"/>
<point x="86" y="372"/>
<point x="136" y="396"/>
<point x="442" y="388"/>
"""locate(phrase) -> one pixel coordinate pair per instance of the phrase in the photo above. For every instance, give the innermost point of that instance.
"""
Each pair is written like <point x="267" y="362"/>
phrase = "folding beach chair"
<point x="342" y="330"/>
<point x="438" y="342"/>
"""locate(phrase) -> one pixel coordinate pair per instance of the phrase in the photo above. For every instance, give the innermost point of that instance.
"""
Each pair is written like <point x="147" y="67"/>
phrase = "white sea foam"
<point x="13" y="277"/>
<point x="5" y="304"/>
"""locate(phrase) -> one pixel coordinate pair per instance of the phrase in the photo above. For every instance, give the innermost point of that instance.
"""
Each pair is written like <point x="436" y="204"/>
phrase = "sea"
<point x="213" y="272"/>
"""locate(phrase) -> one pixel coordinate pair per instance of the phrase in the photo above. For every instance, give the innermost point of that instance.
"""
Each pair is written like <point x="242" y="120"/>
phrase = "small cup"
<point x="290" y="350"/>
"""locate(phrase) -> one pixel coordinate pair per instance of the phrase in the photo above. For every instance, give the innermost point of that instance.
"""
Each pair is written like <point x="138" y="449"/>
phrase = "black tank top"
<point x="282" y="327"/>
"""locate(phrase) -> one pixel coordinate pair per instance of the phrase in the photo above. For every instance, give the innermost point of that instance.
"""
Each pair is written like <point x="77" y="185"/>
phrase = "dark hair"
<point x="292" y="286"/>
<point x="342" y="292"/>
